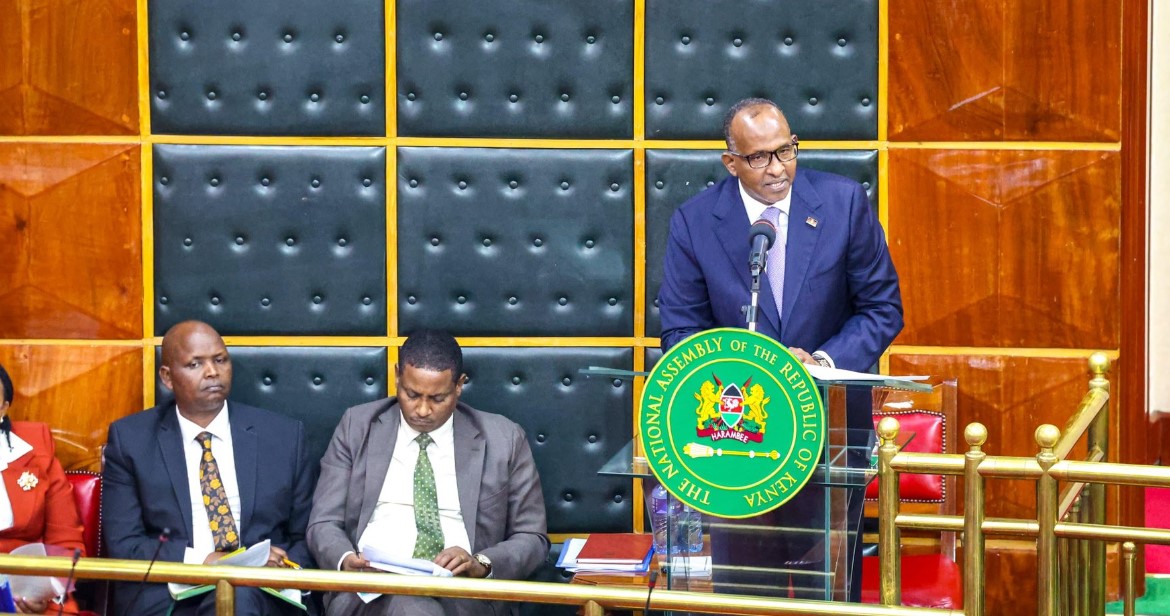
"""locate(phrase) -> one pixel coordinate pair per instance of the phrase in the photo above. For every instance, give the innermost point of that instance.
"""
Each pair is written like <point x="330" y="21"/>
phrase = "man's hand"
<point x="276" y="557"/>
<point x="456" y="560"/>
<point x="804" y="356"/>
<point x="355" y="562"/>
<point x="214" y="556"/>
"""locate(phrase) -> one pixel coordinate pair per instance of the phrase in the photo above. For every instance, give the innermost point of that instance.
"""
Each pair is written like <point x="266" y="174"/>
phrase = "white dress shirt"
<point x="8" y="455"/>
<point x="755" y="211"/>
<point x="392" y="525"/>
<point x="202" y="543"/>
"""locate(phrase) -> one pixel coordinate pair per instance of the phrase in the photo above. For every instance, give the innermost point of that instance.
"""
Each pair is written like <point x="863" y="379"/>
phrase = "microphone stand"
<point x="751" y="311"/>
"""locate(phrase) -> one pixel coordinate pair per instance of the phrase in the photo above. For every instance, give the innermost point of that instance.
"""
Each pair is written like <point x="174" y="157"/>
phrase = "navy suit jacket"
<point x="840" y="288"/>
<point x="145" y="489"/>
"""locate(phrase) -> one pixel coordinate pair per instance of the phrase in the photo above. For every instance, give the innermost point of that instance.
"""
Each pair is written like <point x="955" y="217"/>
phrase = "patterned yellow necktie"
<point x="219" y="514"/>
<point x="426" y="504"/>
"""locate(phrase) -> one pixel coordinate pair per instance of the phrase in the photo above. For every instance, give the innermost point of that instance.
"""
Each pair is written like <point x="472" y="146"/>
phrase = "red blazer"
<point x="45" y="513"/>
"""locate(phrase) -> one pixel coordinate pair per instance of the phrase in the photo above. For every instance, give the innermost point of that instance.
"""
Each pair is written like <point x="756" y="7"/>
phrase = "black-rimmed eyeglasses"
<point x="759" y="160"/>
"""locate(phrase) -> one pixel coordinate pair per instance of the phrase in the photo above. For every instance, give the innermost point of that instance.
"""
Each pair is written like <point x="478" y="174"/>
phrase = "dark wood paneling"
<point x="68" y="67"/>
<point x="1012" y="396"/>
<point x="1007" y="248"/>
<point x="71" y="217"/>
<point x="970" y="70"/>
<point x="77" y="390"/>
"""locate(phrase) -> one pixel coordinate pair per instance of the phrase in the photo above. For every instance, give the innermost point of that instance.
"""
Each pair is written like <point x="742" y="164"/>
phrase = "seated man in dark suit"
<point x="422" y="475"/>
<point x="219" y="476"/>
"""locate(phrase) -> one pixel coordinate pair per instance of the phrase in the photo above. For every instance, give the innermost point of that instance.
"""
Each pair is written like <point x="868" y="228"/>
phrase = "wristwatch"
<point x="486" y="562"/>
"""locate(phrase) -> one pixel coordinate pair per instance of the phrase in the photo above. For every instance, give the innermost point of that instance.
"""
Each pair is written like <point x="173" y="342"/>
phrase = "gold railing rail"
<point x="1071" y="571"/>
<point x="594" y="599"/>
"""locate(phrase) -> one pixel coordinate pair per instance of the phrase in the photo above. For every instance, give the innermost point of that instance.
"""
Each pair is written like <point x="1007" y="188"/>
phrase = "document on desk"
<point x="824" y="373"/>
<point x="35" y="587"/>
<point x="381" y="559"/>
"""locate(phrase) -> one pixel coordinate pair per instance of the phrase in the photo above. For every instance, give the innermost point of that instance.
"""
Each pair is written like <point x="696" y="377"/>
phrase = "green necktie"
<point x="426" y="504"/>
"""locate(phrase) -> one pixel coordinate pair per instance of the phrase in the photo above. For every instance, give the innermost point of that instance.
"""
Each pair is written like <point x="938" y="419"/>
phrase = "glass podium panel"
<point x="808" y="547"/>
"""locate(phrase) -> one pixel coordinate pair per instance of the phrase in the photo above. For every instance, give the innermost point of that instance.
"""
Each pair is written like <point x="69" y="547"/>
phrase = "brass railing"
<point x="594" y="600"/>
<point x="1083" y="553"/>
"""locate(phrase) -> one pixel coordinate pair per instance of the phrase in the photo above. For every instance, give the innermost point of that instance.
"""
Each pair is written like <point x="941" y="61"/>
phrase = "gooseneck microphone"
<point x="761" y="237"/>
<point x="69" y="580"/>
<point x="163" y="537"/>
<point x="650" y="583"/>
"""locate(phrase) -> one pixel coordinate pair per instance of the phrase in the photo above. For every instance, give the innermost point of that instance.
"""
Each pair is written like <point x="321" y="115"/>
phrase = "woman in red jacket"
<point x="36" y="500"/>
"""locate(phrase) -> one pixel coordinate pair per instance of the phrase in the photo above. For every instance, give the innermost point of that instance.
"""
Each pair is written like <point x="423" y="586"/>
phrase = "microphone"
<point x="163" y="537"/>
<point x="69" y="581"/>
<point x="762" y="236"/>
<point x="650" y="589"/>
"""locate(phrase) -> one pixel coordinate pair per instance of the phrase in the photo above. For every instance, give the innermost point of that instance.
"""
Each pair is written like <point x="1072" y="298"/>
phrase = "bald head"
<point x="748" y="108"/>
<point x="197" y="368"/>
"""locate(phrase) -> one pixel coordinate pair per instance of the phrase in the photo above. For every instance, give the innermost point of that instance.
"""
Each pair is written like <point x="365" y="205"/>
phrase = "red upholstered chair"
<point x="928" y="579"/>
<point x="87" y="494"/>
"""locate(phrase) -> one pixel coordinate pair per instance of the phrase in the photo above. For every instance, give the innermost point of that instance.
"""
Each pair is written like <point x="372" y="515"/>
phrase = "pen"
<point x="290" y="563"/>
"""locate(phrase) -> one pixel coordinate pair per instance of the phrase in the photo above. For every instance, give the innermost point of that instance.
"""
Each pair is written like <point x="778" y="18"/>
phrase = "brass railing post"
<point x="1128" y="555"/>
<point x="225" y="599"/>
<point x="1046" y="511"/>
<point x="1098" y="438"/>
<point x="974" y="595"/>
<point x="889" y="537"/>
<point x="593" y="608"/>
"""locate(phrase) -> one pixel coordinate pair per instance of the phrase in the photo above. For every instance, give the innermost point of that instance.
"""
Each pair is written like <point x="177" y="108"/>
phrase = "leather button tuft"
<point x="513" y="300"/>
<point x="288" y="37"/>
<point x="613" y="301"/>
<point x="516" y="380"/>
<point x="463" y="96"/>
<point x="617" y="498"/>
<point x="710" y="101"/>
<point x="239" y="240"/>
<point x="487" y="241"/>
<point x="489" y="37"/>
<point x="615" y="99"/>
<point x="617" y="382"/>
<point x="738" y="42"/>
<point x="438" y="36"/>
<point x="162" y="94"/>
<point x="615" y="187"/>
<point x="214" y="300"/>
<point x="364" y="99"/>
<point x="410" y="96"/>
<point x="564" y="301"/>
<point x="462" y="184"/>
<point x="318" y="380"/>
<point x="841" y="42"/>
<point x="343" y="242"/>
<point x="686" y="40"/>
<point x="655" y="302"/>
<point x="590" y="243"/>
<point x="315" y="183"/>
<point x="413" y="183"/>
<point x="592" y="438"/>
<point x="367" y="300"/>
<point x="267" y="380"/>
<point x="434" y="241"/>
<point x="211" y="95"/>
<point x="540" y="438"/>
<point x="340" y="38"/>
<point x="513" y="98"/>
<point x="164" y="180"/>
<point x="264" y="301"/>
<point x="187" y="241"/>
<point x="538" y="242"/>
<point x="566" y="381"/>
<point x="539" y="38"/>
<point x="788" y="41"/>
<point x="184" y="35"/>
<point x="659" y="184"/>
<point x="369" y="380"/>
<point x="513" y="184"/>
<point x="865" y="102"/>
<point x="462" y="299"/>
<point x="367" y="182"/>
<point x="591" y="39"/>
<point x="236" y="36"/>
<point x="410" y="299"/>
<point x="264" y="181"/>
<point x="163" y="300"/>
<point x="568" y="496"/>
<point x="262" y="95"/>
<point x="314" y="97"/>
<point x="813" y="101"/>
<point x="564" y="97"/>
<point x="290" y="241"/>
<point x="317" y="299"/>
<point x="659" y="100"/>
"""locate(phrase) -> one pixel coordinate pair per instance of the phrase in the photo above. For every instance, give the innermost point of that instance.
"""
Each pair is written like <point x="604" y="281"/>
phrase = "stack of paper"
<point x="383" y="560"/>
<point x="625" y="552"/>
<point x="255" y="556"/>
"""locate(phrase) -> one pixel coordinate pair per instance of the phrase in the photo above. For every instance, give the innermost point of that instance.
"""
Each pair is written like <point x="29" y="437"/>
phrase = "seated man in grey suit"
<point x="213" y="475"/>
<point x="422" y="475"/>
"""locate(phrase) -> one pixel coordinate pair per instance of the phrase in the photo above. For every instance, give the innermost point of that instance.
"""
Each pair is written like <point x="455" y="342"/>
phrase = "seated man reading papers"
<point x="216" y="476"/>
<point x="424" y="476"/>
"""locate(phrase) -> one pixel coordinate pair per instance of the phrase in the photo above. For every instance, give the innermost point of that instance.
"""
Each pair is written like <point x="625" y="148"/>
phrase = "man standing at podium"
<point x="831" y="293"/>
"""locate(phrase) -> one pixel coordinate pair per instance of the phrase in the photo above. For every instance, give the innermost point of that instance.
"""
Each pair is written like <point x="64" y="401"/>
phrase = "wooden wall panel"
<point x="971" y="70"/>
<point x="72" y="216"/>
<point x="68" y="67"/>
<point x="1007" y="248"/>
<point x="1012" y="396"/>
<point x="77" y="390"/>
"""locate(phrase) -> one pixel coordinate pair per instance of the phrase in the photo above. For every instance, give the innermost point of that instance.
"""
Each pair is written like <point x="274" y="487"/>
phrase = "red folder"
<point x="616" y="548"/>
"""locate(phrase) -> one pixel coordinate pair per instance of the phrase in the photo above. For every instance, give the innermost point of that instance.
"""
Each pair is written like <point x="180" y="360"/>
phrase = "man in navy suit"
<point x="831" y="296"/>
<point x="841" y="305"/>
<point x="218" y="476"/>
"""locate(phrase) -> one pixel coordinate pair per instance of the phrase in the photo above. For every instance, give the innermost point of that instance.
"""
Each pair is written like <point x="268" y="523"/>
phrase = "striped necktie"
<point x="775" y="268"/>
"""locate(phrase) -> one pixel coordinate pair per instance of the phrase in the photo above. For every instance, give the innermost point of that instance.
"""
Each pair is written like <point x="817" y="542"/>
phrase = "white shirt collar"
<point x="442" y="434"/>
<point x="219" y="427"/>
<point x="755" y="209"/>
<point x="20" y="447"/>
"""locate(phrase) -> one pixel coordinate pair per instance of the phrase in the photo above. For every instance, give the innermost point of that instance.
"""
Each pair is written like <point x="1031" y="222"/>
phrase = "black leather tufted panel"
<point x="516" y="242"/>
<point x="271" y="240"/>
<point x="524" y="68"/>
<point x="312" y="384"/>
<point x="574" y="425"/>
<point x="673" y="176"/>
<point x="224" y="67"/>
<point x="818" y="59"/>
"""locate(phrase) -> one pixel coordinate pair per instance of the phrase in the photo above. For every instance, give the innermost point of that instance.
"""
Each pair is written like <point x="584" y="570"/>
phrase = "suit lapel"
<point x="802" y="242"/>
<point x="379" y="449"/>
<point x="733" y="228"/>
<point x="245" y="448"/>
<point x="170" y="445"/>
<point x="469" y="455"/>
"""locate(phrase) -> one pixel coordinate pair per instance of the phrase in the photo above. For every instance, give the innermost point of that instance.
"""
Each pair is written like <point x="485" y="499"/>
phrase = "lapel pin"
<point x="27" y="481"/>
<point x="810" y="221"/>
